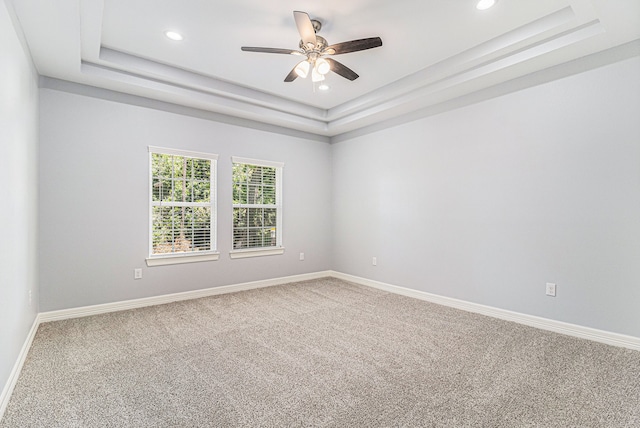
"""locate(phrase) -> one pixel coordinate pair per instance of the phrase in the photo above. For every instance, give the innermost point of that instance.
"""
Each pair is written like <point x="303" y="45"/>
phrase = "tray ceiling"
<point x="433" y="51"/>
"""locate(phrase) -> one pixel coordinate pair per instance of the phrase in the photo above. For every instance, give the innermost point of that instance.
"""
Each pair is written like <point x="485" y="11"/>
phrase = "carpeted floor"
<point x="318" y="353"/>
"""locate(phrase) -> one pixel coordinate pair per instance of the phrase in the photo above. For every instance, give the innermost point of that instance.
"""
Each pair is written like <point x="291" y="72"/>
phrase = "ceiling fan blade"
<point x="269" y="50"/>
<point x="305" y="27"/>
<point x="353" y="46"/>
<point x="342" y="69"/>
<point x="292" y="75"/>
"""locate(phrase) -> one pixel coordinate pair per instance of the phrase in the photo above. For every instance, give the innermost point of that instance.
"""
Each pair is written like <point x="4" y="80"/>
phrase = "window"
<point x="182" y="201"/>
<point x="257" y="208"/>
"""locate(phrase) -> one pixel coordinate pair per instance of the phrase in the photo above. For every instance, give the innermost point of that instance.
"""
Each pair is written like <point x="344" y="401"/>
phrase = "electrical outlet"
<point x="551" y="289"/>
<point x="137" y="273"/>
<point x="374" y="261"/>
<point x="301" y="256"/>
<point x="30" y="298"/>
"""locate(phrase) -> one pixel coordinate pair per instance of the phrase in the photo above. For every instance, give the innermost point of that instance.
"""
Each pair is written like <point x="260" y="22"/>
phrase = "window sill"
<point x="179" y="259"/>
<point x="258" y="252"/>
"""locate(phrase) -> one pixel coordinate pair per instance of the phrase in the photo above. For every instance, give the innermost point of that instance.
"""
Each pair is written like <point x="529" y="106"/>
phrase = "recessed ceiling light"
<point x="323" y="87"/>
<point x="174" y="35"/>
<point x="485" y="4"/>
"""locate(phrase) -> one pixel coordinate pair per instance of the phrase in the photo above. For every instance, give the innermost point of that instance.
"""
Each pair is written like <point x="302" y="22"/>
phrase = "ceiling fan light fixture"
<point x="302" y="69"/>
<point x="485" y="4"/>
<point x="322" y="66"/>
<point x="174" y="35"/>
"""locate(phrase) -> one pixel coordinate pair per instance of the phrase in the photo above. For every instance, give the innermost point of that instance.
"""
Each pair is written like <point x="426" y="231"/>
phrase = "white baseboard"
<point x="17" y="368"/>
<point x="601" y="336"/>
<point x="574" y="330"/>
<point x="131" y="304"/>
<point x="168" y="298"/>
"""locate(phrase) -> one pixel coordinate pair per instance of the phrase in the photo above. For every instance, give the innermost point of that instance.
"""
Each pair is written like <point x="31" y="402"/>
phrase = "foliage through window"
<point x="257" y="206"/>
<point x="182" y="202"/>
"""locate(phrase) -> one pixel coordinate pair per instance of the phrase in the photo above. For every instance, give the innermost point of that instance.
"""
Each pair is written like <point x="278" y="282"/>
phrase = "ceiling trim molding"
<point x="189" y="97"/>
<point x="139" y="101"/>
<point x="200" y="82"/>
<point x="456" y="85"/>
<point x="500" y="47"/>
<point x="577" y="66"/>
<point x="574" y="67"/>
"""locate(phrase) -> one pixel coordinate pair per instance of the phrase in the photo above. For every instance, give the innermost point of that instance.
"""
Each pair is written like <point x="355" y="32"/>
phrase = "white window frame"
<point x="200" y="256"/>
<point x="261" y="251"/>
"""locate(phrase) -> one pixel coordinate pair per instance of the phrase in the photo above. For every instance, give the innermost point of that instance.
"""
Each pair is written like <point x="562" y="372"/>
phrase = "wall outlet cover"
<point x="551" y="289"/>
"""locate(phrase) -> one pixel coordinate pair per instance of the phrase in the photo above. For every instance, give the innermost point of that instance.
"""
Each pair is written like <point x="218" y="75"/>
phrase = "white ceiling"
<point x="433" y="52"/>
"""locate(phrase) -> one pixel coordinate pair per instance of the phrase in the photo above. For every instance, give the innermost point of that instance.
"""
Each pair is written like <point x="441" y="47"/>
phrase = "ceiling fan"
<point x="315" y="48"/>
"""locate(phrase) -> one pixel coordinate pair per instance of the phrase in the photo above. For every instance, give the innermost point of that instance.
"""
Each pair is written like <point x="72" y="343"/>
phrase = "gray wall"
<point x="18" y="193"/>
<point x="94" y="201"/>
<point x="488" y="203"/>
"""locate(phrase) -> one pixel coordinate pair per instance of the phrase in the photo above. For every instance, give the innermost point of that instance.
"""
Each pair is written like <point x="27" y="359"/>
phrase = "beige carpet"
<point x="318" y="353"/>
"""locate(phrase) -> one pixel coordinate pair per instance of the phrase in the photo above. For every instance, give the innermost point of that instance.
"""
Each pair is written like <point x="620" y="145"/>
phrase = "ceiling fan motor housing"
<point x="321" y="43"/>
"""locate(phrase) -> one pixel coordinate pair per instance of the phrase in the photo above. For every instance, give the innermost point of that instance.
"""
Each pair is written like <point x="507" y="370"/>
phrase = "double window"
<point x="182" y="223"/>
<point x="182" y="205"/>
